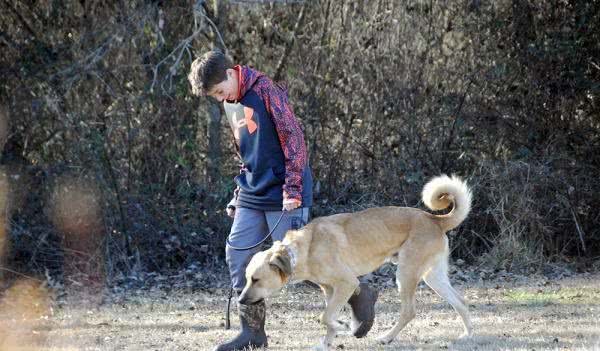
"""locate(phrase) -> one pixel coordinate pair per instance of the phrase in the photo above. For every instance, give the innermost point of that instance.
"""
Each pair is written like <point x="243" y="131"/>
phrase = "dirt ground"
<point x="525" y="314"/>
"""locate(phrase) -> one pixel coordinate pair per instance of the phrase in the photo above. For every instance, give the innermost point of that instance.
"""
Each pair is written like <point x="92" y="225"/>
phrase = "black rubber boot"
<point x="363" y="309"/>
<point x="252" y="322"/>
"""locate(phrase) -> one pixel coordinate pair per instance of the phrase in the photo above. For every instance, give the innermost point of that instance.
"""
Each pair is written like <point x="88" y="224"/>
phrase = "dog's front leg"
<point x="322" y="346"/>
<point x="336" y="298"/>
<point x="333" y="326"/>
<point x="340" y="326"/>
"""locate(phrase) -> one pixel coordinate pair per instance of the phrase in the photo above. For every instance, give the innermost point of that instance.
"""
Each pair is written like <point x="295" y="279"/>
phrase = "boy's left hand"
<point x="290" y="204"/>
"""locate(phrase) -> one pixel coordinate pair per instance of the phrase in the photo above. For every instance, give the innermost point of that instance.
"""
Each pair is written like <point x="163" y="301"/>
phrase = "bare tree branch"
<point x="25" y="24"/>
<point x="184" y="47"/>
<point x="289" y="46"/>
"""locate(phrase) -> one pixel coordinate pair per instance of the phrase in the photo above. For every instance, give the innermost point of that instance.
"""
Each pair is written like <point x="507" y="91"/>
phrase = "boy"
<point x="274" y="177"/>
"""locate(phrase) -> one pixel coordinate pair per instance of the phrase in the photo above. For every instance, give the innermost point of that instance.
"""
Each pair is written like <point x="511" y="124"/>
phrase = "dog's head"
<point x="267" y="272"/>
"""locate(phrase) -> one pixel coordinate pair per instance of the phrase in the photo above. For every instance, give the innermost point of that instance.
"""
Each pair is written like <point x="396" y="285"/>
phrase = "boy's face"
<point x="227" y="89"/>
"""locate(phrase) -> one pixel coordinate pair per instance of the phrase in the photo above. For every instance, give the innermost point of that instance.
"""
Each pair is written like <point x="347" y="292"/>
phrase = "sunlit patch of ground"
<point x="537" y="315"/>
<point x="24" y="316"/>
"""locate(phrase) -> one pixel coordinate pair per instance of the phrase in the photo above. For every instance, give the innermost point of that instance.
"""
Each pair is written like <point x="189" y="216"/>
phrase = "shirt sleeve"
<point x="290" y="136"/>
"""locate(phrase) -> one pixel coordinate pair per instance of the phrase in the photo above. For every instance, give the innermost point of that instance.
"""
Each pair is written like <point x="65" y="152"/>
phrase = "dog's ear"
<point x="281" y="261"/>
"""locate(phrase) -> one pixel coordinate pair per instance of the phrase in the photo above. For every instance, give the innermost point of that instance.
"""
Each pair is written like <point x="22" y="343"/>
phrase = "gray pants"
<point x="249" y="227"/>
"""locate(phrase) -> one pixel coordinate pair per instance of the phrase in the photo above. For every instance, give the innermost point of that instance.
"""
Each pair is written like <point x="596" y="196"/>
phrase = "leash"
<point x="228" y="311"/>
<point x="227" y="321"/>
<point x="260" y="242"/>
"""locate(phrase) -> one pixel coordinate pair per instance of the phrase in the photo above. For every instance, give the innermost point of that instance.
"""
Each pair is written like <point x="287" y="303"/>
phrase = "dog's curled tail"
<point x="442" y="191"/>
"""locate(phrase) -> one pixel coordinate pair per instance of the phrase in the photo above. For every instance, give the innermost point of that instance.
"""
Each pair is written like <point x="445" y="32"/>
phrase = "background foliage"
<point x="504" y="93"/>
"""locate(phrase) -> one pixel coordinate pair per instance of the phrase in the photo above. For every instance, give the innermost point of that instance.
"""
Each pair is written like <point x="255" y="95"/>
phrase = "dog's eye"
<point x="254" y="280"/>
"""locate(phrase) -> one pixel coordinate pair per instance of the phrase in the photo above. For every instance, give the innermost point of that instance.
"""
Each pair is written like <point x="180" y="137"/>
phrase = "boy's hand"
<point x="291" y="204"/>
<point x="230" y="211"/>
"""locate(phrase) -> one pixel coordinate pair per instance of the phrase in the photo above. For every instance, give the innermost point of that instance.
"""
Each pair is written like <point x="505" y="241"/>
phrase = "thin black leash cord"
<point x="228" y="311"/>
<point x="260" y="242"/>
<point x="227" y="321"/>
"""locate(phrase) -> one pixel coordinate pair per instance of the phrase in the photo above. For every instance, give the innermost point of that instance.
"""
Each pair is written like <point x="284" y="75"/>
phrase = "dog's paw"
<point x="322" y="346"/>
<point x="384" y="339"/>
<point x="342" y="326"/>
<point x="465" y="335"/>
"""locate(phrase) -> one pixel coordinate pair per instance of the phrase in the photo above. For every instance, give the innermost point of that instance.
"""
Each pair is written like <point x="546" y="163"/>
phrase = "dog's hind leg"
<point x="437" y="279"/>
<point x="408" y="285"/>
<point x="341" y="325"/>
<point x="336" y="298"/>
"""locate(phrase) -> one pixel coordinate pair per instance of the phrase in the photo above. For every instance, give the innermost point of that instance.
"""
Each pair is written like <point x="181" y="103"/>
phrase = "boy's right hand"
<point x="230" y="211"/>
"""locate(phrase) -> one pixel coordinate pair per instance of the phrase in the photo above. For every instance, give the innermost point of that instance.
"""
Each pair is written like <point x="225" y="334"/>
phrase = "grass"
<point x="562" y="296"/>
<point x="528" y="315"/>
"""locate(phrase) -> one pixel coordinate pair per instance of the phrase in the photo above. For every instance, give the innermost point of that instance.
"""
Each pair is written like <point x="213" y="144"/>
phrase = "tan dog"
<point x="333" y="251"/>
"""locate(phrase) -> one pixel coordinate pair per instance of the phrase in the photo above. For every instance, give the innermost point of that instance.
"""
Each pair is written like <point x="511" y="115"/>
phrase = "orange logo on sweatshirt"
<point x="248" y="113"/>
<point x="238" y="122"/>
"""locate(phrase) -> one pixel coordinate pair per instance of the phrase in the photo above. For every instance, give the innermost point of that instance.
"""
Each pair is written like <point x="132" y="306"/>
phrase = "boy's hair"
<point x="208" y="70"/>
